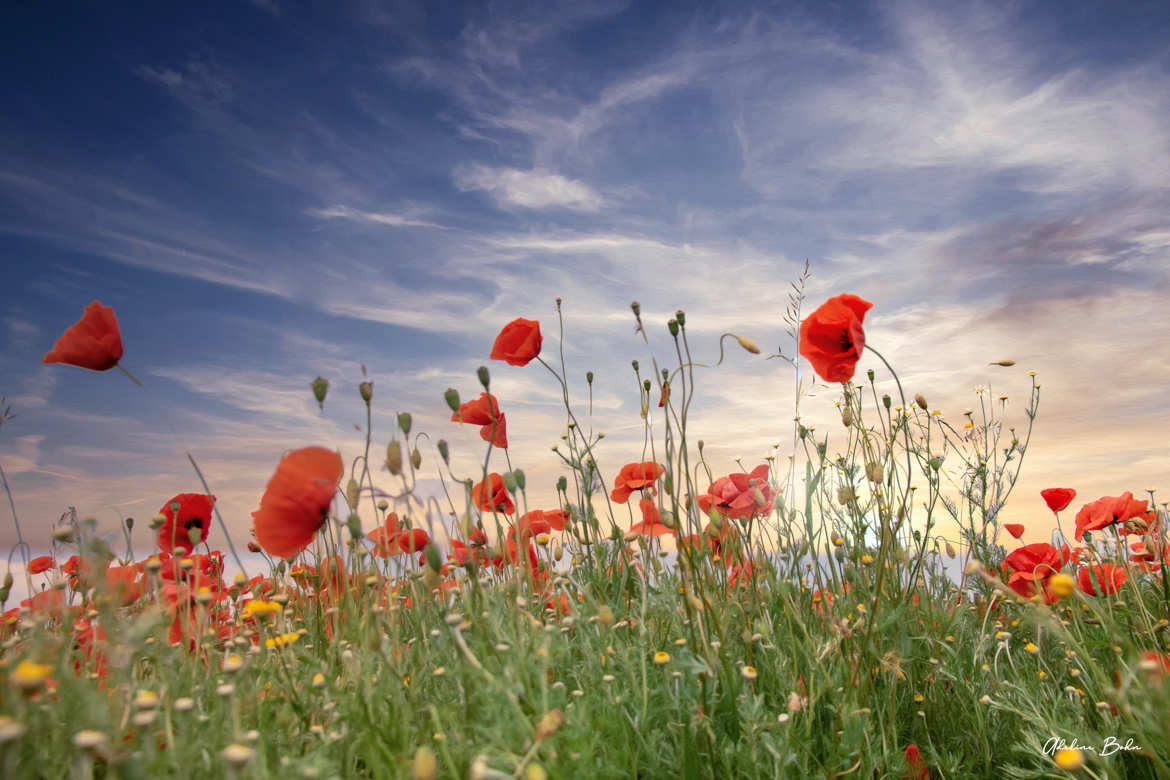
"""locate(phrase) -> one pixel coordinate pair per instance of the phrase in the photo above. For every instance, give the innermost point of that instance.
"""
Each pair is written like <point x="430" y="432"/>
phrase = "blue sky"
<point x="267" y="191"/>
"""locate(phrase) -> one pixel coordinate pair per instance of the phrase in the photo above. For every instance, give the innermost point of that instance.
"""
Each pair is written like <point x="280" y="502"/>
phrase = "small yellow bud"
<point x="425" y="766"/>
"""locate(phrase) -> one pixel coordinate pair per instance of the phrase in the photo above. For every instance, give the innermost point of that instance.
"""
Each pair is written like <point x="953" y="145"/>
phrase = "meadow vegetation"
<point x="855" y="611"/>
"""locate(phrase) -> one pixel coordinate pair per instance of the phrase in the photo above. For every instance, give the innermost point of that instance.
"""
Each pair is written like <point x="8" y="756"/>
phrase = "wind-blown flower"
<point x="1031" y="567"/>
<point x="296" y="502"/>
<point x="832" y="339"/>
<point x="1107" y="511"/>
<point x="93" y="342"/>
<point x="40" y="564"/>
<point x="1015" y="529"/>
<point x="635" y="476"/>
<point x="194" y="512"/>
<point x="651" y="524"/>
<point x="491" y="495"/>
<point x="485" y="411"/>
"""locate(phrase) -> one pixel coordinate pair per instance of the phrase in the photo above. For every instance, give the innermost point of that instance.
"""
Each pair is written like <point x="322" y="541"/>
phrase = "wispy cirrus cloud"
<point x="534" y="189"/>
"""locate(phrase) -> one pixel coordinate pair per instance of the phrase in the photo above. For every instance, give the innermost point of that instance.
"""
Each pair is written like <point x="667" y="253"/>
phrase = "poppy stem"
<point x="24" y="548"/>
<point x="218" y="516"/>
<point x="133" y="378"/>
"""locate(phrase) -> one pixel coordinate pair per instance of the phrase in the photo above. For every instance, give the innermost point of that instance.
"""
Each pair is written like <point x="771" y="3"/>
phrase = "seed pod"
<point x="845" y="494"/>
<point x="886" y="401"/>
<point x="874" y="472"/>
<point x="415" y="458"/>
<point x="950" y="550"/>
<point x="352" y="492"/>
<point x="672" y="326"/>
<point x="847" y="417"/>
<point x="394" y="457"/>
<point x="366" y="390"/>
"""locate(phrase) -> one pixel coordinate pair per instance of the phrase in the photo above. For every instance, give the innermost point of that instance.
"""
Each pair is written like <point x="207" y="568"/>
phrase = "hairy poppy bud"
<point x="394" y="457"/>
<point x="748" y="344"/>
<point x="404" y="422"/>
<point x="886" y="401"/>
<point x="444" y="451"/>
<point x="672" y="326"/>
<point x="681" y="316"/>
<point x="351" y="493"/>
<point x="636" y="308"/>
<point x="320" y="387"/>
<point x="451" y="396"/>
<point x="129" y="523"/>
<point x="874" y="472"/>
<point x="366" y="390"/>
<point x="1004" y="363"/>
<point x="510" y="482"/>
<point x="484" y="376"/>
<point x="920" y="399"/>
<point x="847" y="417"/>
<point x="589" y="377"/>
<point x="354" y="523"/>
<point x="869" y="374"/>
<point x="950" y="550"/>
<point x="562" y="484"/>
<point x="415" y="458"/>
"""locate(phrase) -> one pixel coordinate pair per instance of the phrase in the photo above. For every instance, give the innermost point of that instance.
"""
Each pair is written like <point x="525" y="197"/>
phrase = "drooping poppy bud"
<point x="320" y="387"/>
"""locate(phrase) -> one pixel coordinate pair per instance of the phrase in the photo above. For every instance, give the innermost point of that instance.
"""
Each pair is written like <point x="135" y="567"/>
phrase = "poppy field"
<point x="847" y="606"/>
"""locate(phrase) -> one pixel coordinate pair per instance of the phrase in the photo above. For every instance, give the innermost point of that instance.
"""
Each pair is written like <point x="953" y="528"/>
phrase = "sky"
<point x="269" y="191"/>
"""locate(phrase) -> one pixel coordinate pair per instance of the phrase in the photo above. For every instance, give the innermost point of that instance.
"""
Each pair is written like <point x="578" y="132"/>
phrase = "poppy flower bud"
<point x="415" y="458"/>
<point x="484" y="377"/>
<point x="510" y="482"/>
<point x="404" y="421"/>
<point x="748" y="344"/>
<point x="444" y="451"/>
<point x="431" y="552"/>
<point x="1005" y="363"/>
<point x="672" y="326"/>
<point x="320" y="387"/>
<point x="253" y="547"/>
<point x="847" y="417"/>
<point x="636" y="308"/>
<point x="431" y="578"/>
<point x="129" y="523"/>
<point x="950" y="550"/>
<point x="394" y="457"/>
<point x="681" y="316"/>
<point x="451" y="396"/>
<point x="562" y="484"/>
<point x="886" y="401"/>
<point x="869" y="374"/>
<point x="366" y="390"/>
<point x="920" y="399"/>
<point x="7" y="580"/>
<point x="351" y="493"/>
<point x="354" y="523"/>
<point x="589" y="377"/>
<point x="874" y="472"/>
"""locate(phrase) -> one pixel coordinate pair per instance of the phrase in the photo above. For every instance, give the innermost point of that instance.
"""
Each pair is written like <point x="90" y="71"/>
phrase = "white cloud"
<point x="535" y="189"/>
<point x="390" y="219"/>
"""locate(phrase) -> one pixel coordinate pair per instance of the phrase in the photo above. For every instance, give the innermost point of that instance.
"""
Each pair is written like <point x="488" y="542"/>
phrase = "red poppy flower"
<point x="93" y="342"/>
<point x="1157" y="666"/>
<point x="491" y="495"/>
<point x="1058" y="499"/>
<point x="40" y="564"/>
<point x="485" y="411"/>
<point x="49" y="602"/>
<point x="413" y="540"/>
<point x="385" y="537"/>
<point x="832" y="339"/>
<point x="1031" y="567"/>
<point x="194" y="512"/>
<point x="123" y="585"/>
<point x="651" y="524"/>
<point x="1107" y="511"/>
<point x="635" y="476"/>
<point x="916" y="768"/>
<point x="736" y="495"/>
<point x="1015" y="529"/>
<point x="518" y="343"/>
<point x="296" y="501"/>
<point x="1108" y="579"/>
<point x="529" y="525"/>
